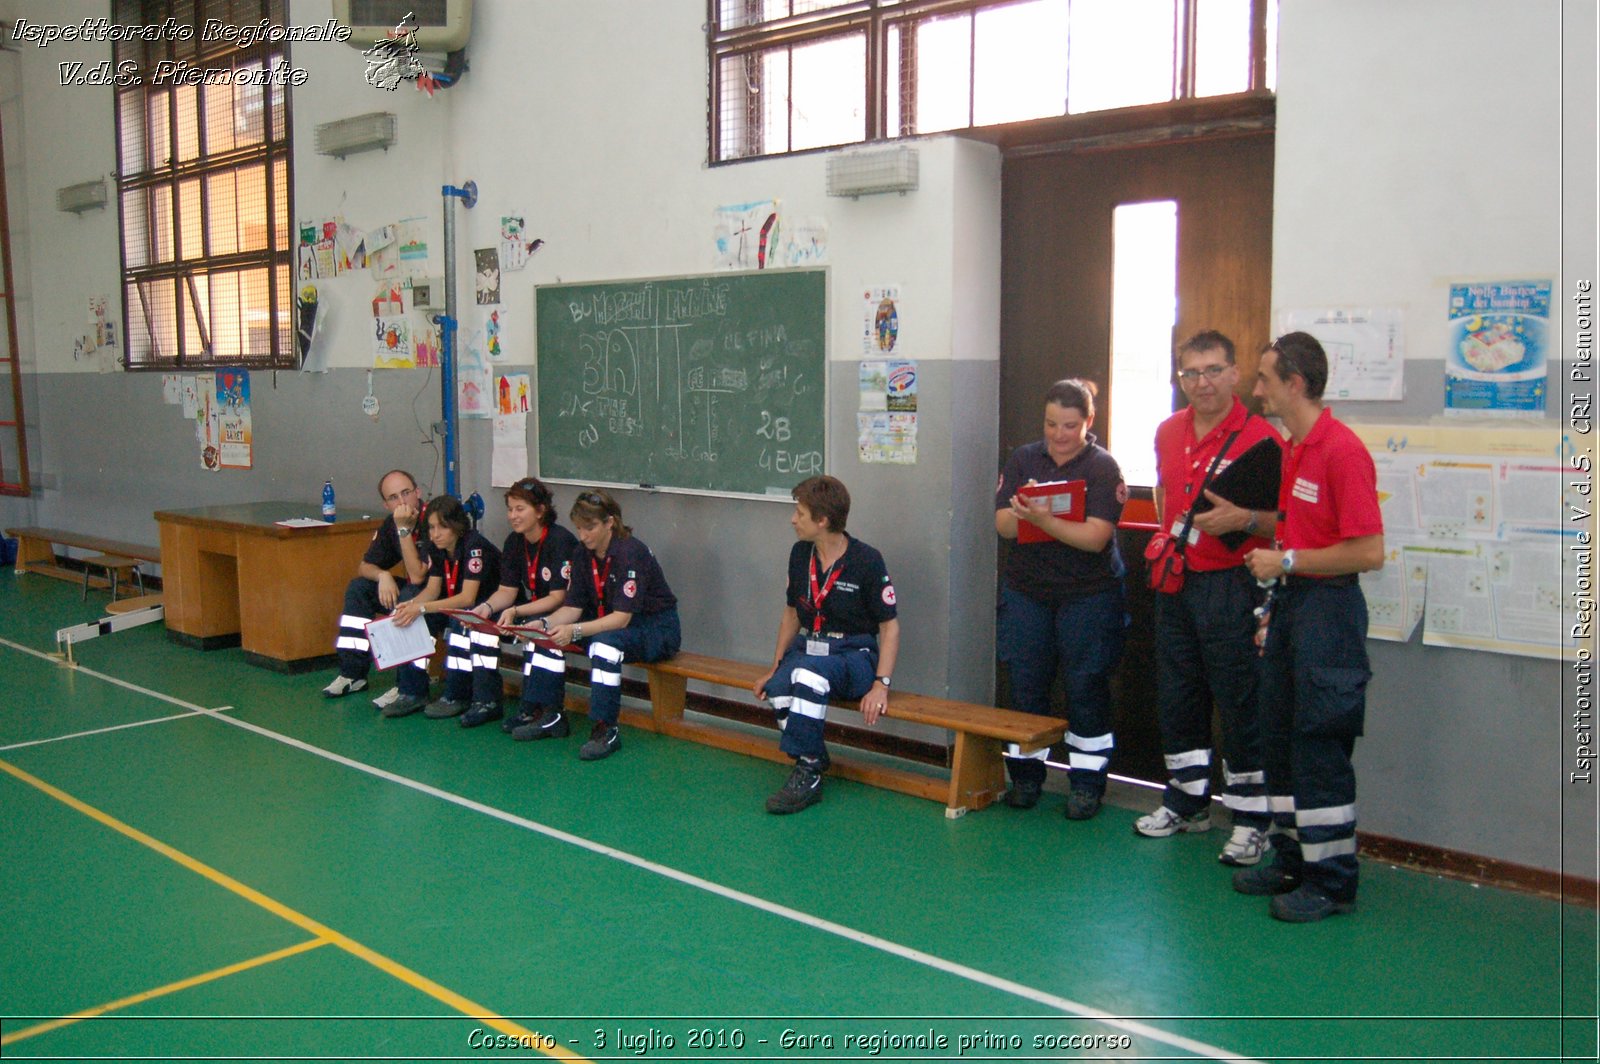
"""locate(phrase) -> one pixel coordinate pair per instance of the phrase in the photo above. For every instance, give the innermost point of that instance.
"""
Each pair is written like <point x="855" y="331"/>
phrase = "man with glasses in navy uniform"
<point x="375" y="590"/>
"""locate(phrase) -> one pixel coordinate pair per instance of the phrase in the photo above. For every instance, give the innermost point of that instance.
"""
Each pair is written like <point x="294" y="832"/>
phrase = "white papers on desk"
<point x="301" y="522"/>
<point x="393" y="645"/>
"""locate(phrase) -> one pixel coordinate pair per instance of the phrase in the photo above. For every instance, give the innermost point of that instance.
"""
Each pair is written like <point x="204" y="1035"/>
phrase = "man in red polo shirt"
<point x="1205" y="649"/>
<point x="1314" y="658"/>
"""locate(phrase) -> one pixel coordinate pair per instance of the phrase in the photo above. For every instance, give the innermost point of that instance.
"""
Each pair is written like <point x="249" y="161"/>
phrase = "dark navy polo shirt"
<point x="861" y="599"/>
<point x="634" y="583"/>
<point x="1054" y="572"/>
<point x="552" y="560"/>
<point x="475" y="558"/>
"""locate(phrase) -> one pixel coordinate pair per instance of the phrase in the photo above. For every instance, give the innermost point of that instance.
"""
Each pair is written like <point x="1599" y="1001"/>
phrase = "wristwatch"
<point x="1288" y="562"/>
<point x="402" y="531"/>
<point x="884" y="680"/>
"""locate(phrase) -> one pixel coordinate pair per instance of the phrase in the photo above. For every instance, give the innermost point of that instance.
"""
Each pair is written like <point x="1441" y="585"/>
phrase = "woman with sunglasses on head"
<point x="1061" y="604"/>
<point x="463" y="571"/>
<point x="620" y="604"/>
<point x="535" y="566"/>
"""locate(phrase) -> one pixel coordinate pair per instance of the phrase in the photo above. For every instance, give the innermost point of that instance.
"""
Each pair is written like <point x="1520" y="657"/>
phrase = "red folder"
<point x="1064" y="498"/>
<point x="527" y="633"/>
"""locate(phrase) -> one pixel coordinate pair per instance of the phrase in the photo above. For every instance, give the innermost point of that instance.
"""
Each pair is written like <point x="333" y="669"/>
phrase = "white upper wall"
<point x="1418" y="145"/>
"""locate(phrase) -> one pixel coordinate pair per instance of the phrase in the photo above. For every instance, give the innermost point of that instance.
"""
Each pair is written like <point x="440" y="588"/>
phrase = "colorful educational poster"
<point x="880" y="320"/>
<point x="745" y="236"/>
<point x="205" y="422"/>
<point x="1365" y="346"/>
<point x="887" y="438"/>
<point x="1475" y="524"/>
<point x="509" y="458"/>
<point x="232" y="412"/>
<point x="1499" y="346"/>
<point x="902" y="387"/>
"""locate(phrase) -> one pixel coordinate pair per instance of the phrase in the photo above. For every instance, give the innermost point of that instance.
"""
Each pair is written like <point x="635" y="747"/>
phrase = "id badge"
<point x="1177" y="530"/>
<point x="817" y="648"/>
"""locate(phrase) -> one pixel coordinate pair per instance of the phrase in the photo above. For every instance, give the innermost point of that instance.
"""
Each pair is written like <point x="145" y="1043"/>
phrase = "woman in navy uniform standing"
<point x="620" y="605"/>
<point x="463" y="571"/>
<point x="838" y="638"/>
<point x="1061" y="604"/>
<point x="535" y="566"/>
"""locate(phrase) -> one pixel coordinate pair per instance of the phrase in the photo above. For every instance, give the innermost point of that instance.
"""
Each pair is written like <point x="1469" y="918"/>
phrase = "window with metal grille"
<point x="203" y="165"/>
<point x="794" y="74"/>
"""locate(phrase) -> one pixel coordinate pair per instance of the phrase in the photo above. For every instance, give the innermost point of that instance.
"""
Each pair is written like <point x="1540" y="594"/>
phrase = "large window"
<point x="203" y="167"/>
<point x="794" y="74"/>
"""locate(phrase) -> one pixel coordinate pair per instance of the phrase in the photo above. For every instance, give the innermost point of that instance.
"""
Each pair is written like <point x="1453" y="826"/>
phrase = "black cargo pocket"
<point x="1333" y="702"/>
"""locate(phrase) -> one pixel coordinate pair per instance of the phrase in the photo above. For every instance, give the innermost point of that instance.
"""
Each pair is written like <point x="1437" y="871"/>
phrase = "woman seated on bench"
<point x="620" y="603"/>
<point x="838" y="637"/>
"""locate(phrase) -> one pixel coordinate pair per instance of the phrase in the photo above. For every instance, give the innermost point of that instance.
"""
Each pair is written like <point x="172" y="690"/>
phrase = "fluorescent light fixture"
<point x="865" y="173"/>
<point x="89" y="196"/>
<point x="347" y="136"/>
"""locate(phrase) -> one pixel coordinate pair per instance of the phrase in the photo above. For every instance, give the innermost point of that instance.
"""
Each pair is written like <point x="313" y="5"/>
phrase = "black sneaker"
<point x="1265" y="880"/>
<point x="1024" y="794"/>
<point x="604" y="740"/>
<point x="445" y="707"/>
<point x="522" y="716"/>
<point x="1307" y="904"/>
<point x="802" y="789"/>
<point x="553" y="725"/>
<point x="1082" y="805"/>
<point x="404" y="706"/>
<point x="481" y="713"/>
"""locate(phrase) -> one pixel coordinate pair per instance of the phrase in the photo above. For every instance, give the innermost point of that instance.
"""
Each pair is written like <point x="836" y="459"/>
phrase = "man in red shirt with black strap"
<point x="1205" y="632"/>
<point x="1314" y="658"/>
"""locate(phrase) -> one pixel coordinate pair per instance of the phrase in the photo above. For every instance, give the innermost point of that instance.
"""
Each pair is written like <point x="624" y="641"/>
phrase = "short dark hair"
<point x="533" y="491"/>
<point x="825" y="497"/>
<point x="450" y="512"/>
<point x="1074" y="393"/>
<point x="1206" y="340"/>
<point x="594" y="506"/>
<point x="1299" y="352"/>
<point x="391" y="473"/>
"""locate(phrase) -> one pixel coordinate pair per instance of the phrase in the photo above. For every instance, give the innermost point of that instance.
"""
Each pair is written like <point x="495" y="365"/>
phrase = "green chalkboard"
<point x="713" y="383"/>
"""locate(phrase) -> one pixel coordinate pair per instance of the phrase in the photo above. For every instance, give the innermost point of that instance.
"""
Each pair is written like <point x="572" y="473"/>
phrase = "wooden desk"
<point x="232" y="577"/>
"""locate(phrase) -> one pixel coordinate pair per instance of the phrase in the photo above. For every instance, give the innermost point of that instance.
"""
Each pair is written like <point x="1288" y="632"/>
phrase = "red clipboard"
<point x="525" y="633"/>
<point x="1064" y="498"/>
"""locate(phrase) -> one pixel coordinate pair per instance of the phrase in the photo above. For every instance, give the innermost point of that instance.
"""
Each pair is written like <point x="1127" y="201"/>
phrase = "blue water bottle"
<point x="327" y="500"/>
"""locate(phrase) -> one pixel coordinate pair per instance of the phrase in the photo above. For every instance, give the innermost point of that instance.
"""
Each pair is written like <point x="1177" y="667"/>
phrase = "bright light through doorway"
<point x="1144" y="308"/>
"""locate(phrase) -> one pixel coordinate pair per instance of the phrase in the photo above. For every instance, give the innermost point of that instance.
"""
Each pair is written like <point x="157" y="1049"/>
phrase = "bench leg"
<point x="977" y="774"/>
<point x="34" y="551"/>
<point x="668" y="693"/>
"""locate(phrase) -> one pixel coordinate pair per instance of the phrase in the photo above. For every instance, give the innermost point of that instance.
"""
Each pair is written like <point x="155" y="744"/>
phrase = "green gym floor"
<point x="206" y="860"/>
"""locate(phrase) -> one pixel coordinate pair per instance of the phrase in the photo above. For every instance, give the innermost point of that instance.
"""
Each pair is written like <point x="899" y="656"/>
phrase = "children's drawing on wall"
<point x="515" y="246"/>
<point x="205" y="422"/>
<point x="474" y="382"/>
<point x="508" y="462"/>
<point x="511" y="392"/>
<point x="350" y="247"/>
<point x="413" y="240"/>
<point x="307" y="315"/>
<point x="190" y="396"/>
<point x="880" y="320"/>
<point x="383" y="251"/>
<point x="232" y="411"/>
<point x="425" y="344"/>
<point x="746" y="236"/>
<point x="391" y="343"/>
<point x="805" y="242"/>
<point x="487" y="282"/>
<point x="1499" y="342"/>
<point x="171" y="389"/>
<point x="493" y="328"/>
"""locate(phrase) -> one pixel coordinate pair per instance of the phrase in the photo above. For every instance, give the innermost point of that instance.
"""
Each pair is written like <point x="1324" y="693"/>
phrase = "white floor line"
<point x="871" y="941"/>
<point x="114" y="727"/>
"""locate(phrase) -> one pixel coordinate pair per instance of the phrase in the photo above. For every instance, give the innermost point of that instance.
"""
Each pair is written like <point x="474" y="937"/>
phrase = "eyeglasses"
<point x="1211" y="373"/>
<point x="401" y="494"/>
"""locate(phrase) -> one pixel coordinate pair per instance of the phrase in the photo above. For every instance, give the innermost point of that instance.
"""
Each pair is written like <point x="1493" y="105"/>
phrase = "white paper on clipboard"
<point x="393" y="645"/>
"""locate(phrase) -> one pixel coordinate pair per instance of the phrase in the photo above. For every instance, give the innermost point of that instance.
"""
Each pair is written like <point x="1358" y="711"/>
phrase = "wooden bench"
<point x="36" y="553"/>
<point x="977" y="771"/>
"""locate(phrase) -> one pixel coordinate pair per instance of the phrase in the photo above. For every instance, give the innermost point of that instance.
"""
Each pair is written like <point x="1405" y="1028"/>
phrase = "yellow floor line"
<point x="524" y="1037"/>
<point x="162" y="991"/>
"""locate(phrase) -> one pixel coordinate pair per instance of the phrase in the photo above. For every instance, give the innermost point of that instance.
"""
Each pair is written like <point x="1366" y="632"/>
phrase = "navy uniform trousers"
<point x="648" y="637"/>
<point x="1082" y="639"/>
<point x="1313" y="702"/>
<point x="804" y="684"/>
<point x="1205" y="656"/>
<point x="360" y="606"/>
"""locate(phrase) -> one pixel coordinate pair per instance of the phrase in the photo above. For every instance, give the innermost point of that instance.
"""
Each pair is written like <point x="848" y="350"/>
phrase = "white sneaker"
<point x="386" y="699"/>
<point x="1245" y="847"/>
<point x="1164" y="822"/>
<point x="343" y="685"/>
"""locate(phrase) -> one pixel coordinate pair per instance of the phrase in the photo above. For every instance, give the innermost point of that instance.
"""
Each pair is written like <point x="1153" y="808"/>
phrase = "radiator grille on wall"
<point x="865" y="173"/>
<point x="346" y="136"/>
